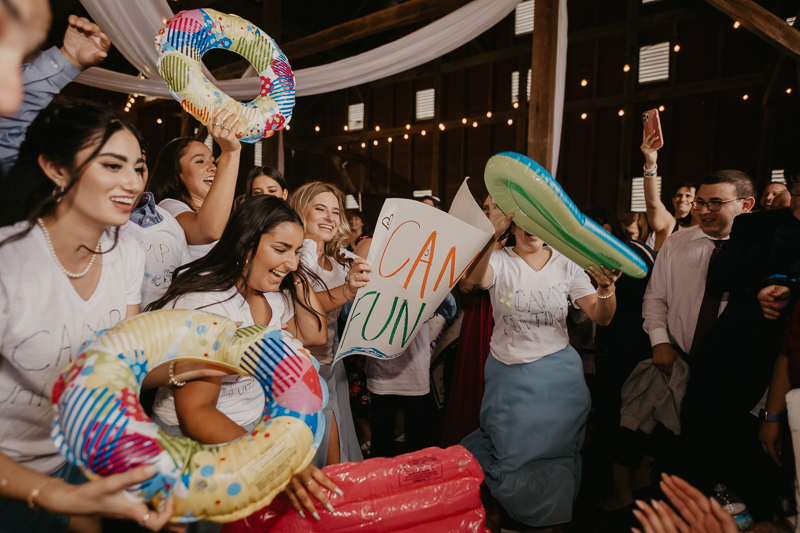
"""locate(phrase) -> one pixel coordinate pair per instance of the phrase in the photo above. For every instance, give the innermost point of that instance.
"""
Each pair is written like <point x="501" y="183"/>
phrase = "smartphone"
<point x="652" y="123"/>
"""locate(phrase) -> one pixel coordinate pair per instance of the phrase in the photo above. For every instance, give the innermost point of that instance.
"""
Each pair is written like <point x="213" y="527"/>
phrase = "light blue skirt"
<point x="533" y="418"/>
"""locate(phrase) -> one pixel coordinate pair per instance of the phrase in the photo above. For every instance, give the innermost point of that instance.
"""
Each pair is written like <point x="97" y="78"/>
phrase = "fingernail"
<point x="640" y="504"/>
<point x="330" y="508"/>
<point x="339" y="491"/>
<point x="664" y="475"/>
<point x="151" y="470"/>
<point x="302" y="515"/>
<point x="316" y="516"/>
<point x="655" y="504"/>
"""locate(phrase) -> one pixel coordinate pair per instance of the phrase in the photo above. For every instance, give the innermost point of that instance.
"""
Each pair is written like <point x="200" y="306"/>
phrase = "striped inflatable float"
<point x="101" y="427"/>
<point x="521" y="186"/>
<point x="190" y="34"/>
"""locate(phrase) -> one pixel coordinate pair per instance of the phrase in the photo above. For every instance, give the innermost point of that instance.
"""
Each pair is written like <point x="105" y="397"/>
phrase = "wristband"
<point x="650" y="173"/>
<point x="766" y="416"/>
<point x="607" y="296"/>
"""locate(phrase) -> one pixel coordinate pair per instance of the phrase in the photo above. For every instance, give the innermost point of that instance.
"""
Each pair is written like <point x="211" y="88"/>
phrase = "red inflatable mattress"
<point x="432" y="490"/>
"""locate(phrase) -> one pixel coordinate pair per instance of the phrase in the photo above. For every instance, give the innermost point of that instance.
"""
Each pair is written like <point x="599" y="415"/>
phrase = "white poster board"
<point x="418" y="254"/>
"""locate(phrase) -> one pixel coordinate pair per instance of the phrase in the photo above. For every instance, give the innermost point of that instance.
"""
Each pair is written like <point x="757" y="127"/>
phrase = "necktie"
<point x="709" y="309"/>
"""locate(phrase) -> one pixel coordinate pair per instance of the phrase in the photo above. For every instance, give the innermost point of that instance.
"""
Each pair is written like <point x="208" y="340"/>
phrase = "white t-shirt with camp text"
<point x="165" y="249"/>
<point x="529" y="307"/>
<point x="43" y="322"/>
<point x="175" y="208"/>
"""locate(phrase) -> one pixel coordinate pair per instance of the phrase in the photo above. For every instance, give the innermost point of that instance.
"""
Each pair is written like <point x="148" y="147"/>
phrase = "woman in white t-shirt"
<point x="67" y="273"/>
<point x="340" y="272"/>
<point x="197" y="192"/>
<point x="252" y="276"/>
<point x="536" y="401"/>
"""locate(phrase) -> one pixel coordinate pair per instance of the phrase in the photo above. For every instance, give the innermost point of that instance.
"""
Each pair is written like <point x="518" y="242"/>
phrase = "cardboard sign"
<point x="418" y="254"/>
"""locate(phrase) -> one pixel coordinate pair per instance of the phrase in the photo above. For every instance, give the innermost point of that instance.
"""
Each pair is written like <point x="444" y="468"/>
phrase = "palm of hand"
<point x="88" y="50"/>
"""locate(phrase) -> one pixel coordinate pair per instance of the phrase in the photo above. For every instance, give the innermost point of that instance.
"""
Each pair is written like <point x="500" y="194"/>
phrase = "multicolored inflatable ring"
<point x="101" y="427"/>
<point x="190" y="34"/>
<point x="521" y="186"/>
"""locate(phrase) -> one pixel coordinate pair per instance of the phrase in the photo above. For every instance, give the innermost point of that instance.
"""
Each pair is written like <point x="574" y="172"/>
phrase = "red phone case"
<point x="652" y="123"/>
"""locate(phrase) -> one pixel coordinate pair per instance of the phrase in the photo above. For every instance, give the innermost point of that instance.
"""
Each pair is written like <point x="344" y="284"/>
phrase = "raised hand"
<point x="84" y="44"/>
<point x="358" y="277"/>
<point x="650" y="154"/>
<point x="223" y="126"/>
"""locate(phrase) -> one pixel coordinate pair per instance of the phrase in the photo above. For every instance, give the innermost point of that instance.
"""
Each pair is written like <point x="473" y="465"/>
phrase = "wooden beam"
<point x="543" y="86"/>
<point x="404" y="14"/>
<point x="762" y="23"/>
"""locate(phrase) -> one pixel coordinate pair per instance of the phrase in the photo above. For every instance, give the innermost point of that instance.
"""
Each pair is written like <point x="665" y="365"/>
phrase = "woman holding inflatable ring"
<point x="252" y="276"/>
<point x="198" y="192"/>
<point x="536" y="401"/>
<point x="321" y="206"/>
<point x="67" y="272"/>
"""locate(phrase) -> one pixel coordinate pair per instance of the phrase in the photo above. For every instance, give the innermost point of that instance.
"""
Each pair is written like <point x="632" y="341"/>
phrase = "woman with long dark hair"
<point x="253" y="275"/>
<point x="67" y="273"/>
<point x="193" y="188"/>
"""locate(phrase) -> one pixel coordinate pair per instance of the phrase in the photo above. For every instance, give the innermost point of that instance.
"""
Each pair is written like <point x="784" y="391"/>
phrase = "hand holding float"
<point x="101" y="426"/>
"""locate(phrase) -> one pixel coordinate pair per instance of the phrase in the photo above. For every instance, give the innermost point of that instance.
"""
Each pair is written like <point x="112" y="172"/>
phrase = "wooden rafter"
<point x="404" y="14"/>
<point x="762" y="23"/>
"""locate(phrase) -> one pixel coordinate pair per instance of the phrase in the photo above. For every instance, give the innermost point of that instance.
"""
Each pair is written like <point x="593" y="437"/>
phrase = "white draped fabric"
<point x="133" y="25"/>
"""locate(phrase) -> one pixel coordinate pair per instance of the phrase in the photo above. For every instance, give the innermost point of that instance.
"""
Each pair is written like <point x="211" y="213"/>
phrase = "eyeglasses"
<point x="712" y="206"/>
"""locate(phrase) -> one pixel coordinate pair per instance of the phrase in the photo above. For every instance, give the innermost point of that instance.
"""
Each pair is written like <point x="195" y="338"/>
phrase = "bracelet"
<point x="172" y="381"/>
<point x="344" y="292"/>
<point x="650" y="173"/>
<point x="606" y="297"/>
<point x="35" y="492"/>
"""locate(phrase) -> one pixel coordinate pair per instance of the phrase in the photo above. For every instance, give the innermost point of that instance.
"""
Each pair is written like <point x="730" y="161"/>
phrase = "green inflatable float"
<point x="521" y="186"/>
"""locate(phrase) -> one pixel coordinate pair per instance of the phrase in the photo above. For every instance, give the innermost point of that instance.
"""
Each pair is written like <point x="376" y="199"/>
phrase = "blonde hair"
<point x="303" y="196"/>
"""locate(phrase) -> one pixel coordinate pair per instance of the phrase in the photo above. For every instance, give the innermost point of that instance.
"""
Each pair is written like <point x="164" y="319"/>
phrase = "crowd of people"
<point x="697" y="357"/>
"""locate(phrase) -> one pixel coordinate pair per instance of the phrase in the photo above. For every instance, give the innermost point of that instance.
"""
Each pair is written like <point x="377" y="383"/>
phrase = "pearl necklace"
<point x="55" y="257"/>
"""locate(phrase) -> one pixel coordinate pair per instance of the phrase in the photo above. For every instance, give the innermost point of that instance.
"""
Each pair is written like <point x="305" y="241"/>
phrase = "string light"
<point x="661" y="108"/>
<point x="488" y="114"/>
<point x="423" y="133"/>
<point x="346" y="127"/>
<point x="408" y="126"/>
<point x="677" y="48"/>
<point x="158" y="121"/>
<point x="745" y="97"/>
<point x="377" y="128"/>
<point x="463" y="120"/>
<point x="789" y="90"/>
<point x="363" y="145"/>
<point x="475" y="124"/>
<point x="339" y="147"/>
<point x="626" y="68"/>
<point x="132" y="101"/>
<point x="583" y="116"/>
<point x="375" y="142"/>
<point x="389" y="139"/>
<point x="516" y="105"/>
<point x="621" y="112"/>
<point x="441" y="126"/>
<point x="405" y="136"/>
<point x="736" y="24"/>
<point x="510" y="121"/>
<point x="584" y="83"/>
<point x="288" y="127"/>
<point x="316" y="128"/>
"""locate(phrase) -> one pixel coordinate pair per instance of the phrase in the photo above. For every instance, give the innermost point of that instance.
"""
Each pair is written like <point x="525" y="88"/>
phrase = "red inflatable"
<point x="432" y="490"/>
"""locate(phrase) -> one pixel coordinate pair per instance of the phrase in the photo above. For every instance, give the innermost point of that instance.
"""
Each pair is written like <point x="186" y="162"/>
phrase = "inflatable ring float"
<point x="190" y="34"/>
<point x="521" y="186"/>
<point x="101" y="427"/>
